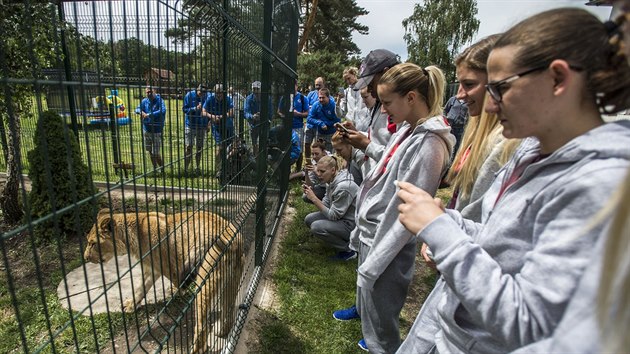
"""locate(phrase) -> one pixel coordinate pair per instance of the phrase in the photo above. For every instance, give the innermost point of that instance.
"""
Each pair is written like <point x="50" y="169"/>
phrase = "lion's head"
<point x="100" y="240"/>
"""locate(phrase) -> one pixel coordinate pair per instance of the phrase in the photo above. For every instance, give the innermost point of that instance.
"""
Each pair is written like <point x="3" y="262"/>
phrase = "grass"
<point x="97" y="146"/>
<point x="309" y="288"/>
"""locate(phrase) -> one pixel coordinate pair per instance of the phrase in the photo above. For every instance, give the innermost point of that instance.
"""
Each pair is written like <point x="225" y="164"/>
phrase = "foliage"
<point x="59" y="178"/>
<point x="324" y="63"/>
<point x="437" y="30"/>
<point x="334" y="23"/>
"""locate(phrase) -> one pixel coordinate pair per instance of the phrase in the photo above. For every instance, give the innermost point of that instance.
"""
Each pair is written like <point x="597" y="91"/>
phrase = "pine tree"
<point x="59" y="179"/>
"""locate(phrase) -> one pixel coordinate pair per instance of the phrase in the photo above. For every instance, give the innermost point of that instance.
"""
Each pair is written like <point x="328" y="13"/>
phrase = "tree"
<point x="334" y="23"/>
<point x="28" y="43"/>
<point x="437" y="30"/>
<point x="59" y="178"/>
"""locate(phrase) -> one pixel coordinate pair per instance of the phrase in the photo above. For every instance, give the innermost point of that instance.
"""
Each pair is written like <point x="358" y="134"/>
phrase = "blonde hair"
<point x="332" y="161"/>
<point x="613" y="299"/>
<point x="351" y="70"/>
<point x="429" y="82"/>
<point x="480" y="136"/>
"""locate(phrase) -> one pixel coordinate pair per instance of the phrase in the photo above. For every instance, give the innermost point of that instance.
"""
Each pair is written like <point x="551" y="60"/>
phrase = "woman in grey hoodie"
<point x="508" y="280"/>
<point x="335" y="219"/>
<point x="419" y="152"/>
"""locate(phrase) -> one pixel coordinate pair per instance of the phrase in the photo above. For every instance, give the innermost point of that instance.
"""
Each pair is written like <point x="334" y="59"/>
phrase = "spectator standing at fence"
<point x="152" y="110"/>
<point x="419" y="153"/>
<point x="222" y="126"/>
<point x="252" y="113"/>
<point x="299" y="110"/>
<point x="196" y="126"/>
<point x="509" y="280"/>
<point x="334" y="221"/>
<point x="456" y="113"/>
<point x="353" y="105"/>
<point x="313" y="97"/>
<point x="321" y="119"/>
<point x="597" y="320"/>
<point x="239" y="104"/>
<point x="375" y="64"/>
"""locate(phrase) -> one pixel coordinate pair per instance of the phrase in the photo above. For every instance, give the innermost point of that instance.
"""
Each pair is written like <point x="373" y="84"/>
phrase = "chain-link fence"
<point x="147" y="148"/>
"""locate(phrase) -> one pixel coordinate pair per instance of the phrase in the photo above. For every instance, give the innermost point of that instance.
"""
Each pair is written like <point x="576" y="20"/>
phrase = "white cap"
<point x="256" y="84"/>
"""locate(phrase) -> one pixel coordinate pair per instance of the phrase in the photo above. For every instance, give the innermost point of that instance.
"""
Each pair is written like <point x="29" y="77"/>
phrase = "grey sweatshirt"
<point x="578" y="331"/>
<point x="420" y="159"/>
<point x="340" y="197"/>
<point x="508" y="281"/>
<point x="470" y="205"/>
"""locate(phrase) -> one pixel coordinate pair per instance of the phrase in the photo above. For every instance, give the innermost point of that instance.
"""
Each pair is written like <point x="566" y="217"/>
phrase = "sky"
<point x="386" y="30"/>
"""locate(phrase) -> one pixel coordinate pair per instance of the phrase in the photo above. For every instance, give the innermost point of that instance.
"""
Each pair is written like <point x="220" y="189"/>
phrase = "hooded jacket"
<point x="421" y="157"/>
<point x="322" y="115"/>
<point x="340" y="196"/>
<point x="508" y="280"/>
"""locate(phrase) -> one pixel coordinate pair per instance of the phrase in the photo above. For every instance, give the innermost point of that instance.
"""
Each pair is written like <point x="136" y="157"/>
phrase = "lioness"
<point x="173" y="246"/>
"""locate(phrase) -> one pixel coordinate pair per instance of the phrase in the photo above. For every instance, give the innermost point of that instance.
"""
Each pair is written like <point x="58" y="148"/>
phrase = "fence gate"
<point x="146" y="145"/>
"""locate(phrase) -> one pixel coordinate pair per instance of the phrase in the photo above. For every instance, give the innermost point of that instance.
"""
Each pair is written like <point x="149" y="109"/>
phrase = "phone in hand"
<point x="340" y="127"/>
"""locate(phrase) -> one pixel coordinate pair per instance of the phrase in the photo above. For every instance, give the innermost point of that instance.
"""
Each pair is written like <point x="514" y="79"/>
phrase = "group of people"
<point x="532" y="248"/>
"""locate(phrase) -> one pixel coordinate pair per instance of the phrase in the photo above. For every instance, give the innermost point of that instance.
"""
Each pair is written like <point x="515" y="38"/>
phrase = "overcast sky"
<point x="386" y="30"/>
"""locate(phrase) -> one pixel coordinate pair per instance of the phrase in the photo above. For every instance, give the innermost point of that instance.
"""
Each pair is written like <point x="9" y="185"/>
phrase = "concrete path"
<point x="102" y="291"/>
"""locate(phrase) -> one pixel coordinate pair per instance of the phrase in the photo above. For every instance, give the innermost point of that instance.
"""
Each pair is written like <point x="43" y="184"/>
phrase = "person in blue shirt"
<point x="153" y="112"/>
<point x="213" y="110"/>
<point x="299" y="109"/>
<point x="196" y="125"/>
<point x="321" y="119"/>
<point x="252" y="113"/>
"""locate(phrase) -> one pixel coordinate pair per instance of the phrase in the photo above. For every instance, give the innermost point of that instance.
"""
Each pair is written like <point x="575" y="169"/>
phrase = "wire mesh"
<point x="148" y="187"/>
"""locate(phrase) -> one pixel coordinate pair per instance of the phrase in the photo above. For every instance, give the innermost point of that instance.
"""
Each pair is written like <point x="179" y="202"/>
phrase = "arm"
<point x="519" y="308"/>
<point x="248" y="109"/>
<point x="341" y="200"/>
<point x="423" y="168"/>
<point x="313" y="116"/>
<point x="189" y="107"/>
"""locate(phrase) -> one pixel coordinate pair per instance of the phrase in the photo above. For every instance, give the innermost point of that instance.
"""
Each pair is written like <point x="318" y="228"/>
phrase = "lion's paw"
<point x="129" y="306"/>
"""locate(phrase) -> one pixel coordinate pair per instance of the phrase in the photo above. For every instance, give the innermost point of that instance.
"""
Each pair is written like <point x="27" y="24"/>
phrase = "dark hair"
<point x="325" y="91"/>
<point x="320" y="144"/>
<point x="578" y="37"/>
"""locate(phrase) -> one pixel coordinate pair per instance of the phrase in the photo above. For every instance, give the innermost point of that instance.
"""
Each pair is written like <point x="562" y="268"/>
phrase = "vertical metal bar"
<point x="66" y="65"/>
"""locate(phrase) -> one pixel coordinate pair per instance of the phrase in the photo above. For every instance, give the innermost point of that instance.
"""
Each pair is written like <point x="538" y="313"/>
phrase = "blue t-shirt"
<point x="320" y="116"/>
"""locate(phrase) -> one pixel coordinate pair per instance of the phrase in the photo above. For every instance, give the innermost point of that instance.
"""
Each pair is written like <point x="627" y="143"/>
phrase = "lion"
<point x="175" y="246"/>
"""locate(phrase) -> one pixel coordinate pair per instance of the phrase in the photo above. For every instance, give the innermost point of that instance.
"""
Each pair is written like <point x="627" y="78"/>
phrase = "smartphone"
<point x="339" y="126"/>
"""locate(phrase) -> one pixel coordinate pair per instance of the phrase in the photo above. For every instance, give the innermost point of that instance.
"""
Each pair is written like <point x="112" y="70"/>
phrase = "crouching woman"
<point x="335" y="219"/>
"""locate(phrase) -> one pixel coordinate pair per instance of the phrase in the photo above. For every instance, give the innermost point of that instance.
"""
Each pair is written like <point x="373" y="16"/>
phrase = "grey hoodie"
<point x="340" y="197"/>
<point x="420" y="159"/>
<point x="508" y="281"/>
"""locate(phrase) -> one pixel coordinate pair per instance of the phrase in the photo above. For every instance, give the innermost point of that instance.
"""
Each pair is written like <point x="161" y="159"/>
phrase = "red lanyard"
<point x="516" y="174"/>
<point x="393" y="150"/>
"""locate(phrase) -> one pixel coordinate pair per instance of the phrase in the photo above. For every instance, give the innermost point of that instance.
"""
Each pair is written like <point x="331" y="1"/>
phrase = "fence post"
<point x="114" y="131"/>
<point x="68" y="70"/>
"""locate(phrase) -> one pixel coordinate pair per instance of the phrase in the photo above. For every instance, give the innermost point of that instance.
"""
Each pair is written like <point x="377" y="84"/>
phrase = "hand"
<point x="308" y="192"/>
<point x="198" y="106"/>
<point x="309" y="167"/>
<point x="357" y="139"/>
<point x="349" y="125"/>
<point x="418" y="209"/>
<point x="325" y="127"/>
<point x="427" y="260"/>
<point x="143" y="115"/>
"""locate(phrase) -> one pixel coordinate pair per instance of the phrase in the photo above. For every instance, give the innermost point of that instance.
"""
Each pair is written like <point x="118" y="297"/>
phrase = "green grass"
<point x="310" y="287"/>
<point x="97" y="146"/>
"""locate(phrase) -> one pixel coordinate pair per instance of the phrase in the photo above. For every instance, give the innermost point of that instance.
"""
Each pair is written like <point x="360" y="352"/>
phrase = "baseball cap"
<point x="256" y="84"/>
<point x="373" y="64"/>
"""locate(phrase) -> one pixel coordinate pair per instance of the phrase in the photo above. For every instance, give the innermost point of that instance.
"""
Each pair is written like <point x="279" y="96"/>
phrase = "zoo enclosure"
<point x="76" y="54"/>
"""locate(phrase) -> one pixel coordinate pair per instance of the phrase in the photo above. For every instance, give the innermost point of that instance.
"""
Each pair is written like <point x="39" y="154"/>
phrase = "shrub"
<point x="59" y="178"/>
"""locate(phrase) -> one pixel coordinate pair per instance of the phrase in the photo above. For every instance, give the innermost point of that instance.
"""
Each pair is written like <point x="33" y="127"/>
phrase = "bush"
<point x="59" y="178"/>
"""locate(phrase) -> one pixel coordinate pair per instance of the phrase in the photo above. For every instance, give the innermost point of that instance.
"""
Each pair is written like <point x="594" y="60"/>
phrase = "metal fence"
<point x="160" y="246"/>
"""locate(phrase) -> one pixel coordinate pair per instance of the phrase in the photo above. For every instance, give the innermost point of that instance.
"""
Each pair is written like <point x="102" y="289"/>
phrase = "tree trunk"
<point x="9" y="202"/>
